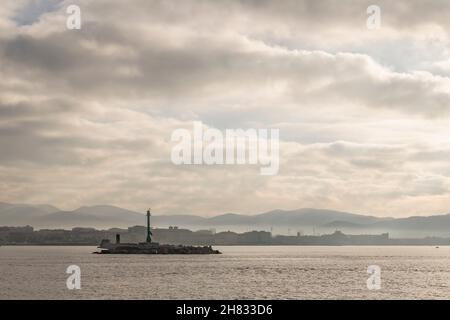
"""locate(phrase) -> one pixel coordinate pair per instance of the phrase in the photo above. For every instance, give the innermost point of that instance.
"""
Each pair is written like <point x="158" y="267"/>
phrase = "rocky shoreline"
<point x="153" y="248"/>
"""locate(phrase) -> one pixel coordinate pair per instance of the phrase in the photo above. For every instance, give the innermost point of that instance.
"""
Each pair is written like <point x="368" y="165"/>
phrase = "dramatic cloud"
<point x="364" y="115"/>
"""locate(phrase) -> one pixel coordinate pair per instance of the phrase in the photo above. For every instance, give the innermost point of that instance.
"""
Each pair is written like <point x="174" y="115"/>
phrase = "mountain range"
<point x="305" y="221"/>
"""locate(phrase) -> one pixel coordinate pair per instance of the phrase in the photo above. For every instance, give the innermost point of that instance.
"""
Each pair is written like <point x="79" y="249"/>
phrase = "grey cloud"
<point x="33" y="10"/>
<point x="86" y="116"/>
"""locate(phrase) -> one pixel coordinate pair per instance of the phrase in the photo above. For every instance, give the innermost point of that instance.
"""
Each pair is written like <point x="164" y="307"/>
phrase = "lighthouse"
<point x="149" y="247"/>
<point x="149" y="233"/>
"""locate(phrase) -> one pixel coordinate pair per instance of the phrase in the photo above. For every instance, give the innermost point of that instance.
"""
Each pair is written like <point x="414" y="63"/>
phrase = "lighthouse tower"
<point x="149" y="233"/>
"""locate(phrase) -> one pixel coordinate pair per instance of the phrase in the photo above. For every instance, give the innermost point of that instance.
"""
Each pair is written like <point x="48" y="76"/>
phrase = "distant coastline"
<point x="284" y="222"/>
<point x="27" y="236"/>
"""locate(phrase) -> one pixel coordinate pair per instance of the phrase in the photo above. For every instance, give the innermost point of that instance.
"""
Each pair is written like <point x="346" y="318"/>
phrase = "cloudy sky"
<point x="86" y="115"/>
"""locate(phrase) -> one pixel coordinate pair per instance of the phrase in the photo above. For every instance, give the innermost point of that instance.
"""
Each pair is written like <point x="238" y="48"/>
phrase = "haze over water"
<point x="275" y="272"/>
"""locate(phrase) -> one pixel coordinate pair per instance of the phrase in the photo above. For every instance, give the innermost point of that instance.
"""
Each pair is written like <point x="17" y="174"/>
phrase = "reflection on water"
<point x="277" y="272"/>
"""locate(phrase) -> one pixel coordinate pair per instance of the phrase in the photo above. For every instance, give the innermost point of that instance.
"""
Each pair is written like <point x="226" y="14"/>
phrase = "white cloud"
<point x="86" y="116"/>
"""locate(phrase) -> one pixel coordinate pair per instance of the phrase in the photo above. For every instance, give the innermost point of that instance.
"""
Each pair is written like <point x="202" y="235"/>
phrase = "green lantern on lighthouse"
<point x="149" y="233"/>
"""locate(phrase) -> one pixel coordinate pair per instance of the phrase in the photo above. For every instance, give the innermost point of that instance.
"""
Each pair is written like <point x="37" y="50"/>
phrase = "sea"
<point x="241" y="272"/>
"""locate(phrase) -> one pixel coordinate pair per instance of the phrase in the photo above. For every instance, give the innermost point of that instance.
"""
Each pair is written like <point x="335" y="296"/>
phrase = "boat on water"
<point x="150" y="247"/>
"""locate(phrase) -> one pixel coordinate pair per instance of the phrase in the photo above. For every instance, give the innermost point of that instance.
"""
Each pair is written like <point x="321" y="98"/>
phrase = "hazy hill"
<point x="437" y="223"/>
<point x="19" y="214"/>
<point x="95" y="216"/>
<point x="280" y="221"/>
<point x="317" y="217"/>
<point x="46" y="216"/>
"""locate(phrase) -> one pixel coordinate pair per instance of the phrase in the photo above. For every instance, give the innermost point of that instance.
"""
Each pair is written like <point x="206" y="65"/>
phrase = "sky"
<point x="86" y="116"/>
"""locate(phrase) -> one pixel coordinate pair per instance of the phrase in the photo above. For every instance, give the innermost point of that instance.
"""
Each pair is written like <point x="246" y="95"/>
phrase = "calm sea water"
<point x="293" y="272"/>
